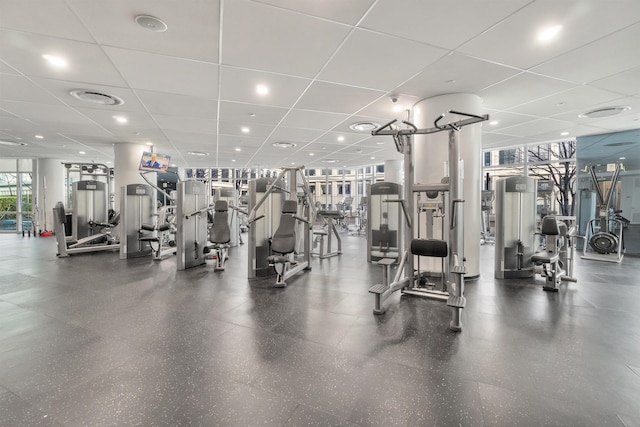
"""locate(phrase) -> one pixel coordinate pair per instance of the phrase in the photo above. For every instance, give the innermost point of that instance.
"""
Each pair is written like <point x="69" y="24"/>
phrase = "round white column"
<point x="49" y="188"/>
<point x="393" y="171"/>
<point x="126" y="168"/>
<point x="430" y="155"/>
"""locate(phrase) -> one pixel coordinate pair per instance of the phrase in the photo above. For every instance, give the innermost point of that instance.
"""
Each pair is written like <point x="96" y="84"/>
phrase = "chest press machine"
<point x="451" y="247"/>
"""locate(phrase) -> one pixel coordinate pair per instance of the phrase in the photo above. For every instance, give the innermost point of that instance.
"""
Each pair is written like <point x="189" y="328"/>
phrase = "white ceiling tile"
<point x="18" y="88"/>
<point x="626" y="83"/>
<point x="56" y="116"/>
<point x="85" y="62"/>
<point x="384" y="109"/>
<point x="358" y="62"/>
<point x="615" y="53"/>
<point x="308" y="119"/>
<point x="158" y="73"/>
<point x="504" y="119"/>
<point x="177" y="105"/>
<point x="194" y="124"/>
<point x="573" y="131"/>
<point x="456" y="74"/>
<point x="251" y="113"/>
<point x="329" y="97"/>
<point x="199" y="20"/>
<point x="281" y="41"/>
<point x="255" y="130"/>
<point x="567" y="101"/>
<point x="537" y="127"/>
<point x="45" y="17"/>
<point x="440" y="23"/>
<point x="514" y="41"/>
<point x="523" y="88"/>
<point x="239" y="85"/>
<point x="298" y="136"/>
<point x="348" y="12"/>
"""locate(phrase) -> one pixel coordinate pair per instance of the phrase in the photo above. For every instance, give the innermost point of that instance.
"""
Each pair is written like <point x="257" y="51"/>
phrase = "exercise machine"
<point x="604" y="234"/>
<point x="515" y="227"/>
<point x="407" y="280"/>
<point x="267" y="209"/>
<point x="556" y="260"/>
<point x="191" y="219"/>
<point x="383" y="225"/>
<point x="219" y="234"/>
<point x="138" y="205"/>
<point x="328" y="231"/>
<point x="283" y="244"/>
<point x="486" y="199"/>
<point x="89" y="226"/>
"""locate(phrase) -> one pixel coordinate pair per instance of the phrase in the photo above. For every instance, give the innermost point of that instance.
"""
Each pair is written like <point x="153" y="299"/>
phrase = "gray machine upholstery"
<point x="220" y="233"/>
<point x="284" y="239"/>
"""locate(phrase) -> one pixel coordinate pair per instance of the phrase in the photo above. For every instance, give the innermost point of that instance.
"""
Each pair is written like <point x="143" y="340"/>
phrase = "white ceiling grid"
<point x="327" y="65"/>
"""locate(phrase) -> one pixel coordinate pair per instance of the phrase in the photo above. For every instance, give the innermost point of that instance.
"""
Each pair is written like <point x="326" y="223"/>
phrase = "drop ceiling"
<point x="327" y="64"/>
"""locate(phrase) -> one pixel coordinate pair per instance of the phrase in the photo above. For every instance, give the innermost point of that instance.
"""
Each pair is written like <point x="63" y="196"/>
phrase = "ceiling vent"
<point x="94" y="97"/>
<point x="604" y="112"/>
<point x="151" y="23"/>
<point x="363" y="126"/>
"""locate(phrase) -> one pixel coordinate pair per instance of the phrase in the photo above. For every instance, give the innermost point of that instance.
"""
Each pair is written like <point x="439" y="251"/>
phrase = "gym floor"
<point x="95" y="340"/>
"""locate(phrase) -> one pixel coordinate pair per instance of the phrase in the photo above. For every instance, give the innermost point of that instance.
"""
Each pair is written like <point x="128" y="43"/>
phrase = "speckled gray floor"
<point x="94" y="340"/>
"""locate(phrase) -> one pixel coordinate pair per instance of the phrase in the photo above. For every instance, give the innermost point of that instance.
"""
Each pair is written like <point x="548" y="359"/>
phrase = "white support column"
<point x="126" y="167"/>
<point x="430" y="154"/>
<point x="394" y="171"/>
<point x="49" y="188"/>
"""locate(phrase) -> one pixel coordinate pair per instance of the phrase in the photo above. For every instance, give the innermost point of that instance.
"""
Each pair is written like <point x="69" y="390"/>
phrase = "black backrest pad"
<point x="290" y="207"/>
<point x="429" y="247"/>
<point x="550" y="226"/>
<point x="221" y="206"/>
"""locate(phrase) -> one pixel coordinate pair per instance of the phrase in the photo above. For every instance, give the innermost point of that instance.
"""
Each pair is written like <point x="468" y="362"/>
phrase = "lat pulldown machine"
<point x="452" y="247"/>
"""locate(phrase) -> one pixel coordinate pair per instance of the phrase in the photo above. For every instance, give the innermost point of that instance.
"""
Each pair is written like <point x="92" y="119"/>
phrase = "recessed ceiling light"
<point x="604" y="112"/>
<point x="622" y="158"/>
<point x="494" y="122"/>
<point x="373" y="158"/>
<point x="245" y="129"/>
<point x="397" y="108"/>
<point x="379" y="143"/>
<point x="120" y="119"/>
<point x="283" y="144"/>
<point x="197" y="153"/>
<point x="564" y="133"/>
<point x="549" y="33"/>
<point x="151" y="23"/>
<point x="238" y="149"/>
<point x="95" y="97"/>
<point x="330" y="161"/>
<point x="233" y="160"/>
<point x="54" y="60"/>
<point x="12" y="143"/>
<point x="312" y="154"/>
<point x="341" y="138"/>
<point x="252" y="114"/>
<point x="108" y="162"/>
<point x="363" y="126"/>
<point x="262" y="89"/>
<point x="82" y="152"/>
<point x="149" y="143"/>
<point x="39" y="137"/>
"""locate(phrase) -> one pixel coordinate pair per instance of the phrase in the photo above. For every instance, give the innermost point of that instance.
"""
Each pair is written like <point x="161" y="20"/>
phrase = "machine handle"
<point x="453" y="211"/>
<point x="251" y="221"/>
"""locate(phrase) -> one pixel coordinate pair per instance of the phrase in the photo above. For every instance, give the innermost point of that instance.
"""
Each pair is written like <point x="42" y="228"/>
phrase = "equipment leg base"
<point x="455" y="327"/>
